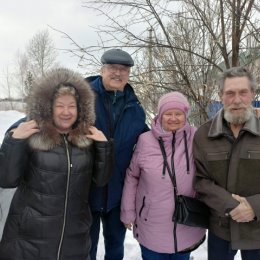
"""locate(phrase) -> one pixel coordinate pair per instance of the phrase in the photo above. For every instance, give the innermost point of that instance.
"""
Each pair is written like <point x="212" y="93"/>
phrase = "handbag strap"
<point x="186" y="152"/>
<point x="170" y="172"/>
<point x="173" y="180"/>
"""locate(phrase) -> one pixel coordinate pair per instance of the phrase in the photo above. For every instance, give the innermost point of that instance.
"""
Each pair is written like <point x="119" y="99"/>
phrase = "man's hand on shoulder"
<point x="25" y="130"/>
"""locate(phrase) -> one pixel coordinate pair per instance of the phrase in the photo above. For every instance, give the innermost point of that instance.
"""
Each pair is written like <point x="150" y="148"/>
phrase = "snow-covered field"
<point x="132" y="251"/>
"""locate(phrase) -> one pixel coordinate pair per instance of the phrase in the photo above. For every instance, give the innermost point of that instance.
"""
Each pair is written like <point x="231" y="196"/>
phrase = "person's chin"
<point x="117" y="87"/>
<point x="172" y="129"/>
<point x="66" y="125"/>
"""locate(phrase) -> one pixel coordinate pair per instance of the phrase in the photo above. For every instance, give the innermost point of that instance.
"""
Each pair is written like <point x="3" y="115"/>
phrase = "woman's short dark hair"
<point x="65" y="90"/>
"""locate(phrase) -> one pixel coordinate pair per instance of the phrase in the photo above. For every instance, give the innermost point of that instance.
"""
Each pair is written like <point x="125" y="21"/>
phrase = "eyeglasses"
<point x="114" y="68"/>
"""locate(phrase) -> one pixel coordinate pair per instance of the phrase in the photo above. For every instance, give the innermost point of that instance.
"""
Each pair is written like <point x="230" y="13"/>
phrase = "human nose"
<point x="173" y="117"/>
<point x="237" y="99"/>
<point x="66" y="111"/>
<point x="117" y="71"/>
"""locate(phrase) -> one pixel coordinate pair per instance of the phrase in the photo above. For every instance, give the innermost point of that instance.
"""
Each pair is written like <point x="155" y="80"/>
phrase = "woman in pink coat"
<point x="148" y="196"/>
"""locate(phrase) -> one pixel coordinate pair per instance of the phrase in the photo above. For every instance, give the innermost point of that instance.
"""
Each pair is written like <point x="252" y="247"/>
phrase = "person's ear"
<point x="220" y="94"/>
<point x="253" y="95"/>
<point x="101" y="70"/>
<point x="257" y="111"/>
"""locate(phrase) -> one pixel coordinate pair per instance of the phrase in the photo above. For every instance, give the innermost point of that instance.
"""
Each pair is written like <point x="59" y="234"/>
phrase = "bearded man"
<point x="227" y="157"/>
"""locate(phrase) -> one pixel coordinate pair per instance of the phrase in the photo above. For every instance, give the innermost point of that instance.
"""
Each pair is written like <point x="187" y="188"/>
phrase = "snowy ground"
<point x="132" y="251"/>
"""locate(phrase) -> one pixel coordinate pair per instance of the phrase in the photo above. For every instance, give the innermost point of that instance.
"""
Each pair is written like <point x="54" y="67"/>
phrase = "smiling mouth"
<point x="65" y="120"/>
<point x="117" y="79"/>
<point x="237" y="109"/>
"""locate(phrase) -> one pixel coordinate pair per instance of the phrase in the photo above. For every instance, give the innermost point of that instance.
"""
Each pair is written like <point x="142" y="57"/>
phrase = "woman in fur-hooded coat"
<point x="49" y="216"/>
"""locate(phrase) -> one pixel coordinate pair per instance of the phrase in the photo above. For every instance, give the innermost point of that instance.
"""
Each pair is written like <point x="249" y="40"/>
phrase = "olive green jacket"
<point x="226" y="165"/>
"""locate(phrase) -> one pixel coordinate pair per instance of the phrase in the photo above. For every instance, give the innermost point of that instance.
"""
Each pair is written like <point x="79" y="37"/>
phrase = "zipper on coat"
<point x="110" y="127"/>
<point x="225" y="155"/>
<point x="250" y="152"/>
<point x="112" y="130"/>
<point x="69" y="165"/>
<point x="110" y="122"/>
<point x="176" y="191"/>
<point x="114" y="99"/>
<point x="172" y="160"/>
<point x="142" y="207"/>
<point x="173" y="151"/>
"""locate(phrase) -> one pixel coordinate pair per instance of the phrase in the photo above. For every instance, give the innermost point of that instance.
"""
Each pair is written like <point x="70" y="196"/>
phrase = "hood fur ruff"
<point x="39" y="108"/>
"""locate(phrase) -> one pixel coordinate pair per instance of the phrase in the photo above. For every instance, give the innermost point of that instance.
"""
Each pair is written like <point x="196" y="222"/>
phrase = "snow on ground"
<point x="132" y="250"/>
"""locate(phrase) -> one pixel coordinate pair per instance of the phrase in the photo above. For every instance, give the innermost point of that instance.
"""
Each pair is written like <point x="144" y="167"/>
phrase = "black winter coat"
<point x="49" y="216"/>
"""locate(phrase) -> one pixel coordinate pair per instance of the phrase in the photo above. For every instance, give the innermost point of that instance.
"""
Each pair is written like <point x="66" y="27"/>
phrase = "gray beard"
<point x="238" y="120"/>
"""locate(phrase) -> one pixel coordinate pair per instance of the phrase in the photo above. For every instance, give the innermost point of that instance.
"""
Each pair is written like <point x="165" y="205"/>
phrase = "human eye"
<point x="59" y="106"/>
<point x="229" y="93"/>
<point x="244" y="92"/>
<point x="112" y="68"/>
<point x="167" y="114"/>
<point x="124" y="70"/>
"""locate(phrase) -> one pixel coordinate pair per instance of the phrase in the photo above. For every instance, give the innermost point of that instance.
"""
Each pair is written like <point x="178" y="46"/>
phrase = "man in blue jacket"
<point x="121" y="117"/>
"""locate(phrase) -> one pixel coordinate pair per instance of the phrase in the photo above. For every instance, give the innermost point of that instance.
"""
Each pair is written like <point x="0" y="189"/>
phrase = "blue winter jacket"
<point x="120" y="116"/>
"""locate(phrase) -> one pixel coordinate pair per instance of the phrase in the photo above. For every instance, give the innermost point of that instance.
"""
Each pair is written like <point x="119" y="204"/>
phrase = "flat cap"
<point x="117" y="56"/>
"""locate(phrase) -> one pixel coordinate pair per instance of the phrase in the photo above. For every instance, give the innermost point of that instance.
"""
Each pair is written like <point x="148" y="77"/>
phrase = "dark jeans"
<point x="148" y="254"/>
<point x="221" y="249"/>
<point x="113" y="232"/>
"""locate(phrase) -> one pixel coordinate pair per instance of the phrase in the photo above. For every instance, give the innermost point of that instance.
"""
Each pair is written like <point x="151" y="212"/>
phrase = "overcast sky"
<point x="20" y="20"/>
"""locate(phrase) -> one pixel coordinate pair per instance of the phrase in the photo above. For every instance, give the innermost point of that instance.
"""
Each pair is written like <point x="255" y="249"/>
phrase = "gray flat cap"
<point x="117" y="56"/>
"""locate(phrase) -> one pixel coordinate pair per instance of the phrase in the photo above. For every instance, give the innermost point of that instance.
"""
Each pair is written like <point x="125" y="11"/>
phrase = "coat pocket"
<point x="143" y="210"/>
<point x="218" y="166"/>
<point x="18" y="249"/>
<point x="250" y="231"/>
<point x="34" y="225"/>
<point x="248" y="176"/>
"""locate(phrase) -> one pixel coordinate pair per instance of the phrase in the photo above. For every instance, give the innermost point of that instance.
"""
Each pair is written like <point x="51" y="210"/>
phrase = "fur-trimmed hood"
<point x="39" y="108"/>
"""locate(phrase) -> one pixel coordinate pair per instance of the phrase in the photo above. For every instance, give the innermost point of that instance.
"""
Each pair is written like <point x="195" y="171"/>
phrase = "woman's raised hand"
<point x="96" y="134"/>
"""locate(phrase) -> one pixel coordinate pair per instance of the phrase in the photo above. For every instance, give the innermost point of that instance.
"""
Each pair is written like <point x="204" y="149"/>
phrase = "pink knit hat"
<point x="173" y="100"/>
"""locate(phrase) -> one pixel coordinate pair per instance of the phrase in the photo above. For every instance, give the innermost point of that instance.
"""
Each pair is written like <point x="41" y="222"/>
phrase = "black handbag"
<point x="188" y="211"/>
<point x="191" y="212"/>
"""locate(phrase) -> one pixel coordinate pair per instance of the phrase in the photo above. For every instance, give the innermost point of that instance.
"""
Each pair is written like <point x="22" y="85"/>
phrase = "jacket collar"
<point x="217" y="127"/>
<point x="97" y="85"/>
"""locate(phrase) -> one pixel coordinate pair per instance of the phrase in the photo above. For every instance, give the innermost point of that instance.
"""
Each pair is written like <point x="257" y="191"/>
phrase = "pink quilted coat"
<point x="148" y="198"/>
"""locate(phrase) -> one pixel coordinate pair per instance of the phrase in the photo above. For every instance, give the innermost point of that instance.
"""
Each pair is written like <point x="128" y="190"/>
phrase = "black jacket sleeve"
<point x="103" y="162"/>
<point x="16" y="124"/>
<point x="13" y="161"/>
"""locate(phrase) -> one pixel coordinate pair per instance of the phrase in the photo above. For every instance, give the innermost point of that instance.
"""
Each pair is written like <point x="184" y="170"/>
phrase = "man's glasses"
<point x="112" y="68"/>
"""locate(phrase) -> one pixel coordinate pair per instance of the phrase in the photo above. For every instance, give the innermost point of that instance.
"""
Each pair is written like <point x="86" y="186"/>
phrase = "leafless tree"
<point x="39" y="56"/>
<point x="22" y="67"/>
<point x="7" y="86"/>
<point x="41" y="53"/>
<point x="178" y="44"/>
